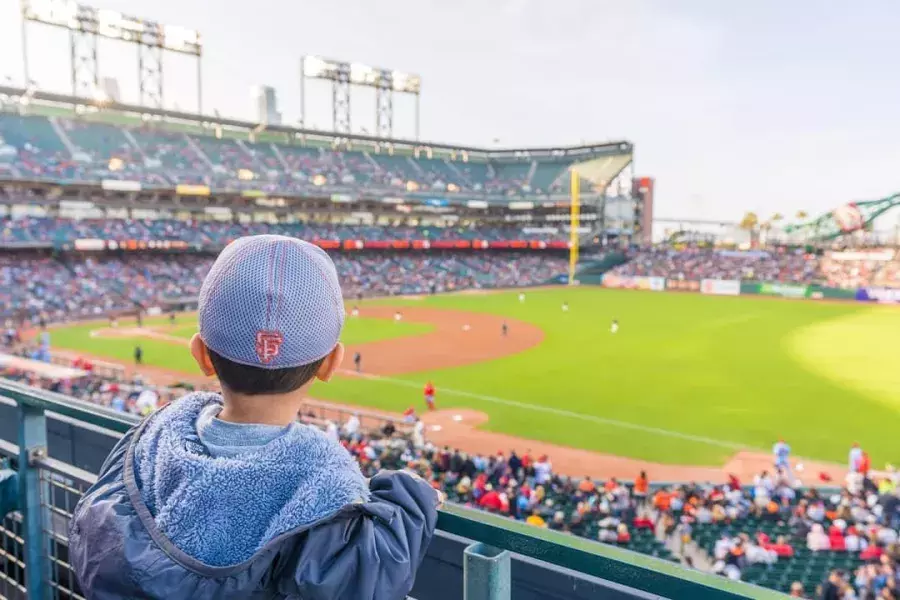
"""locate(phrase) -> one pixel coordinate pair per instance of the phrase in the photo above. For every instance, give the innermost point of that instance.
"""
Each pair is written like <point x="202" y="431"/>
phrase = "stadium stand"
<point x="73" y="287"/>
<point x="218" y="233"/>
<point x="850" y="270"/>
<point x="695" y="264"/>
<point x="161" y="154"/>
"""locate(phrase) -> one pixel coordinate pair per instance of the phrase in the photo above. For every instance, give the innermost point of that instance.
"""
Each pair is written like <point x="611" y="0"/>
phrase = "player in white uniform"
<point x="565" y="307"/>
<point x="614" y="327"/>
<point x="521" y="296"/>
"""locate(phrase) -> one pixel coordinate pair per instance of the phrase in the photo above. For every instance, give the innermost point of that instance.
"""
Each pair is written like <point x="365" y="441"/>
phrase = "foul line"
<point x="557" y="411"/>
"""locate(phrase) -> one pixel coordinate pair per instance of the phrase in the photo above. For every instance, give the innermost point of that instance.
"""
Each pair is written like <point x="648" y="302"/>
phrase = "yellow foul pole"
<point x="574" y="213"/>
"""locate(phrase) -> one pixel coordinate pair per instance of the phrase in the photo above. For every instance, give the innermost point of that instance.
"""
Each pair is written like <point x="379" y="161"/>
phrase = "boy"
<point x="229" y="496"/>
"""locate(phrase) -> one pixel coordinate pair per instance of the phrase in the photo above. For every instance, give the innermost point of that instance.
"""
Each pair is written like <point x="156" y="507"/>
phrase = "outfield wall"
<point x="734" y="287"/>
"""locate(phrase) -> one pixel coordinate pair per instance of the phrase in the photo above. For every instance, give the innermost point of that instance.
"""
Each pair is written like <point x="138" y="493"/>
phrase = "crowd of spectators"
<point x="218" y="233"/>
<point x="135" y="396"/>
<point x="159" y="156"/>
<point x="72" y="288"/>
<point x="694" y="264"/>
<point x="851" y="270"/>
<point x="75" y="286"/>
<point x="774" y="529"/>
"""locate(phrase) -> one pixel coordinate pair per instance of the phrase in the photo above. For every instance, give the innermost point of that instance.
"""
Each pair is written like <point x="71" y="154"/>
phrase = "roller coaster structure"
<point x="845" y="219"/>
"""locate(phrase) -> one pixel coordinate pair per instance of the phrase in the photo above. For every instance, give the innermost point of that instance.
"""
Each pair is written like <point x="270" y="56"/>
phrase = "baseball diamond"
<point x="561" y="378"/>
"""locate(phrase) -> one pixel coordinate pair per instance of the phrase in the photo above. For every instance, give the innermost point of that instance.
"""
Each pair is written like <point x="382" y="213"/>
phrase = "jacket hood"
<point x="222" y="510"/>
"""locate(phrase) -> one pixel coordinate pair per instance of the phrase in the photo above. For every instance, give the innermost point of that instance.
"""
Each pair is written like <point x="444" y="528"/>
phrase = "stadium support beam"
<point x="384" y="105"/>
<point x="83" y="57"/>
<point x="150" y="76"/>
<point x="344" y="75"/>
<point x="340" y="100"/>
<point x="86" y="24"/>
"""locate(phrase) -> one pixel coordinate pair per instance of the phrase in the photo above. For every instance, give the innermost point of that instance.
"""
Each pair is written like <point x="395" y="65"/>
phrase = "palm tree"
<point x="750" y="224"/>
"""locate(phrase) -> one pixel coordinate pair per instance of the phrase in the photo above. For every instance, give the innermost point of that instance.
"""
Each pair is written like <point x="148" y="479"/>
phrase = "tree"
<point x="749" y="222"/>
<point x="777" y="217"/>
<point x="802" y="215"/>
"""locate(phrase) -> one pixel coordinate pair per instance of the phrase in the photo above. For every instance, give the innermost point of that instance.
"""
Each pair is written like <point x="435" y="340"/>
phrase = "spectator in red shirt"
<point x="491" y="499"/>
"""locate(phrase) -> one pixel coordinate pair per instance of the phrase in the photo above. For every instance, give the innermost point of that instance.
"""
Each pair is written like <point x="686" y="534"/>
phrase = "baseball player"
<point x="429" y="395"/>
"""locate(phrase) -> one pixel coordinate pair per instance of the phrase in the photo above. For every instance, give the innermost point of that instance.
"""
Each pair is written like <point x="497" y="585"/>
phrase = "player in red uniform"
<point x="429" y="395"/>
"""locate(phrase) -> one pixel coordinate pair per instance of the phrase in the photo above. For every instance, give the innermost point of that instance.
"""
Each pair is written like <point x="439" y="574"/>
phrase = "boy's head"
<point x="270" y="314"/>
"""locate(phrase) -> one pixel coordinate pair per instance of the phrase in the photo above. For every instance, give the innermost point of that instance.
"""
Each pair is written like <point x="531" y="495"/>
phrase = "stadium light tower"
<point x="86" y="24"/>
<point x="343" y="75"/>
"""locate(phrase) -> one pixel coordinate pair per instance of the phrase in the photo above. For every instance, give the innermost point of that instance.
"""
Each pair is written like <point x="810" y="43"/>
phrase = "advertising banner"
<point x="115" y="185"/>
<point x="883" y="255"/>
<point x="192" y="190"/>
<point x="783" y="290"/>
<point x="655" y="284"/>
<point x="721" y="287"/>
<point x="683" y="285"/>
<point x="91" y="244"/>
<point x="884" y="295"/>
<point x="821" y="292"/>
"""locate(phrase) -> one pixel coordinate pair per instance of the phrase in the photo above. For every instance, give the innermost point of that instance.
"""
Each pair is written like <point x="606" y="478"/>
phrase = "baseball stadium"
<point x="601" y="403"/>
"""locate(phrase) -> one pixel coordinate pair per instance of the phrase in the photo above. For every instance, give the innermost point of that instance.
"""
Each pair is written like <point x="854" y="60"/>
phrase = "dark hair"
<point x="255" y="381"/>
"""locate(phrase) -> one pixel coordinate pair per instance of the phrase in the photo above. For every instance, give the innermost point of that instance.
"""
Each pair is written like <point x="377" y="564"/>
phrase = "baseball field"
<point x="687" y="380"/>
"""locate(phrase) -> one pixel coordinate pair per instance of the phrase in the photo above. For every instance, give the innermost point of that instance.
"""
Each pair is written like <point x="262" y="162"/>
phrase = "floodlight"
<point x="313" y="66"/>
<point x="404" y="82"/>
<point x="86" y="24"/>
<point x="362" y="75"/>
<point x="344" y="74"/>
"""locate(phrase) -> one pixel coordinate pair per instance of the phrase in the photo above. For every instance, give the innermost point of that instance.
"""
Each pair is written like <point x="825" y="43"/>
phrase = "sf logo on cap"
<point x="268" y="345"/>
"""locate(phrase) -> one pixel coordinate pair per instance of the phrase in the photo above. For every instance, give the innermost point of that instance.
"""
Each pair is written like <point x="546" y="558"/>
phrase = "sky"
<point x="768" y="106"/>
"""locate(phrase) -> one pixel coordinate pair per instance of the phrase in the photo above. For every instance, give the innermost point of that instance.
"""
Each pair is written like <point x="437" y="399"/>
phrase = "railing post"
<point x="32" y="447"/>
<point x="486" y="573"/>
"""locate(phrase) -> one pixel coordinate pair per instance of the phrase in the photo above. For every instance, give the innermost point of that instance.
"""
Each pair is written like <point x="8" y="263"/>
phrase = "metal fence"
<point x="34" y="539"/>
<point x="12" y="542"/>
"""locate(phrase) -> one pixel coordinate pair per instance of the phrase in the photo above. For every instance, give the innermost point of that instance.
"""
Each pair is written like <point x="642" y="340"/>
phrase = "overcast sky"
<point x="766" y="105"/>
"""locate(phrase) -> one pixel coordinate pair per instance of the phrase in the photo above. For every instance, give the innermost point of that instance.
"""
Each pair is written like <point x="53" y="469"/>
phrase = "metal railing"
<point x="34" y="539"/>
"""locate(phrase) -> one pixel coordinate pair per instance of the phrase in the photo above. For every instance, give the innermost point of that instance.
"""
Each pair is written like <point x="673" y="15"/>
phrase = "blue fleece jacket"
<point x="220" y="510"/>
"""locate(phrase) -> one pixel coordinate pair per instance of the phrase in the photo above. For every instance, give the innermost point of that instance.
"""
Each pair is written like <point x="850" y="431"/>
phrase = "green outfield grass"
<point x="688" y="378"/>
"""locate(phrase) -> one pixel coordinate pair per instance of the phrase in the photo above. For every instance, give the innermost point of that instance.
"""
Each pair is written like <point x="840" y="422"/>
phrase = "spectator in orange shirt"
<point x="641" y="487"/>
<point x="662" y="500"/>
<point x="587" y="486"/>
<point x="536" y="519"/>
